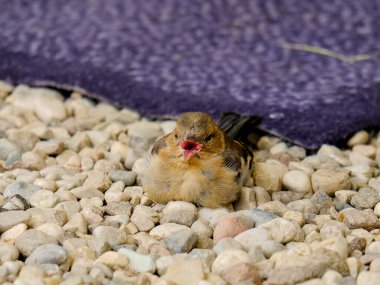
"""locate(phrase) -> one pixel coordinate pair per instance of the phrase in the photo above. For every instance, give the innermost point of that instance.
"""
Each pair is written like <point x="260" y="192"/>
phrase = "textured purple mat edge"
<point x="166" y="57"/>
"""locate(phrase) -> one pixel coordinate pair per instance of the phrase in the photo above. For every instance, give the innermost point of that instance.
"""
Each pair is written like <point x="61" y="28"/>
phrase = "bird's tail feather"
<point x="238" y="126"/>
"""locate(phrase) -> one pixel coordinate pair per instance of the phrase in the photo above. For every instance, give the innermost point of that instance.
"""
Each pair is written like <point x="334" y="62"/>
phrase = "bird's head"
<point x="196" y="135"/>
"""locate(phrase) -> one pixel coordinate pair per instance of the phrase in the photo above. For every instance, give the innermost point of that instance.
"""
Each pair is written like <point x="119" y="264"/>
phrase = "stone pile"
<point x="73" y="211"/>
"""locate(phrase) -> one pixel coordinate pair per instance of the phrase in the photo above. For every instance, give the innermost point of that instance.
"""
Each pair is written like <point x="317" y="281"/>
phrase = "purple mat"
<point x="311" y="69"/>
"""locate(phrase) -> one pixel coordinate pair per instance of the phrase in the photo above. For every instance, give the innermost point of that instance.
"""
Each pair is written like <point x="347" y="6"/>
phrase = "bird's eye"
<point x="176" y="136"/>
<point x="208" y="138"/>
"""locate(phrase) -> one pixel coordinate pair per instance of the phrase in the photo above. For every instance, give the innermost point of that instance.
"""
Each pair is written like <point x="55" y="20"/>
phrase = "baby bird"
<point x="198" y="163"/>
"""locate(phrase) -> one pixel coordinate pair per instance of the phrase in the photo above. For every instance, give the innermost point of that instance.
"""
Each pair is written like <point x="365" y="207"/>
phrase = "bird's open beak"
<point x="190" y="148"/>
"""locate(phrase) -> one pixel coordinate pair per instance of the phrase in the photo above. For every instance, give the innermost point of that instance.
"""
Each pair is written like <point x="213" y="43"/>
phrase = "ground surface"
<point x="72" y="210"/>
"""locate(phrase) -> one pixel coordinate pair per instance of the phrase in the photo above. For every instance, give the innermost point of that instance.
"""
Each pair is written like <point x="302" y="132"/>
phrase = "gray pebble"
<point x="15" y="202"/>
<point x="227" y="244"/>
<point x="181" y="241"/>
<point x="261" y="216"/>
<point x="366" y="198"/>
<point x="47" y="253"/>
<point x="118" y="208"/>
<point x="128" y="177"/>
<point x="29" y="240"/>
<point x="23" y="189"/>
<point x="6" y="148"/>
<point x="110" y="234"/>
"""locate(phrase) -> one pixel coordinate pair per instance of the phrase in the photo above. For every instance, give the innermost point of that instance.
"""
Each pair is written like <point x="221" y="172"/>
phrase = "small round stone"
<point x="10" y="219"/>
<point x="110" y="234"/>
<point x="297" y="181"/>
<point x="230" y="258"/>
<point x="43" y="199"/>
<point x="29" y="240"/>
<point x="360" y="137"/>
<point x="47" y="253"/>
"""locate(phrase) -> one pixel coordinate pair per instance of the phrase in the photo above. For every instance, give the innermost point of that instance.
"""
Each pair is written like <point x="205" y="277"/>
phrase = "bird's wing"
<point x="238" y="126"/>
<point x="158" y="145"/>
<point x="237" y="158"/>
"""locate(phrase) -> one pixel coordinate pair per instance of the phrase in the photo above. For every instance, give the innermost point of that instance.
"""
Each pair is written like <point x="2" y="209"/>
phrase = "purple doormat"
<point x="311" y="69"/>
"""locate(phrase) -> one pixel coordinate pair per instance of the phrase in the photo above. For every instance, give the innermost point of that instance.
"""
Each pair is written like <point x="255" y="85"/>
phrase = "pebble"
<point x="6" y="148"/>
<point x="52" y="230"/>
<point x="261" y="216"/>
<point x="329" y="153"/>
<point x="43" y="199"/>
<point x="366" y="150"/>
<point x="46" y="184"/>
<point x="275" y="207"/>
<point x="330" y="181"/>
<point x="10" y="219"/>
<point x="42" y="216"/>
<point x="10" y="235"/>
<point x="163" y="262"/>
<point x="358" y="158"/>
<point x="179" y="212"/>
<point x="191" y="272"/>
<point x="368" y="278"/>
<point x="366" y="198"/>
<point x="295" y="216"/>
<point x="253" y="237"/>
<point x="30" y="99"/>
<point x="99" y="180"/>
<point x="47" y="253"/>
<point x="230" y="258"/>
<point x="181" y="241"/>
<point x="165" y="230"/>
<point x="139" y="262"/>
<point x="23" y="189"/>
<point x="111" y="235"/>
<point x="144" y="218"/>
<point x="31" y="239"/>
<point x="355" y="219"/>
<point x="262" y="196"/>
<point x="8" y="252"/>
<point x="207" y="256"/>
<point x="270" y="247"/>
<point x="73" y="210"/>
<point x="297" y="181"/>
<point x="128" y="177"/>
<point x="114" y="260"/>
<point x="305" y="206"/>
<point x="50" y="147"/>
<point x="76" y="224"/>
<point x="86" y="192"/>
<point x="202" y="228"/>
<point x="227" y="244"/>
<point x="229" y="226"/>
<point x="212" y="216"/>
<point x="360" y="137"/>
<point x="375" y="265"/>
<point x="118" y="208"/>
<point x="269" y="174"/>
<point x="286" y="197"/>
<point x="247" y="199"/>
<point x="241" y="273"/>
<point x="344" y="196"/>
<point x="283" y="231"/>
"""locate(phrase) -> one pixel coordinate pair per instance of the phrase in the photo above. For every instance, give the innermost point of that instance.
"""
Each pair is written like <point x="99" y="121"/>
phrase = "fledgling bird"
<point x="198" y="163"/>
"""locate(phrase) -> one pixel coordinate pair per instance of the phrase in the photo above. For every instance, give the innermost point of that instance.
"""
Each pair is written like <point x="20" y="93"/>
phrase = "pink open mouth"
<point x="190" y="148"/>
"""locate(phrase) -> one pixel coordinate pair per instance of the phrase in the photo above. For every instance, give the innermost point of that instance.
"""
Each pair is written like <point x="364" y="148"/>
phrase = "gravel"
<point x="73" y="211"/>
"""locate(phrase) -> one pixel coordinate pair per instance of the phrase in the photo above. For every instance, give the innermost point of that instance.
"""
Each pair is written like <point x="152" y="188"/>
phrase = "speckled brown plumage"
<point x="210" y="177"/>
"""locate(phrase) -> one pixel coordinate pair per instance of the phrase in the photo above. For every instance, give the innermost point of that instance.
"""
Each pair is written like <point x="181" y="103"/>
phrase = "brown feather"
<point x="211" y="178"/>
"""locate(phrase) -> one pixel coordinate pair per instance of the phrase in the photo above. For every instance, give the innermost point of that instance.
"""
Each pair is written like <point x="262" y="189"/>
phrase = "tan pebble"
<point x="360" y="137"/>
<point x="366" y="150"/>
